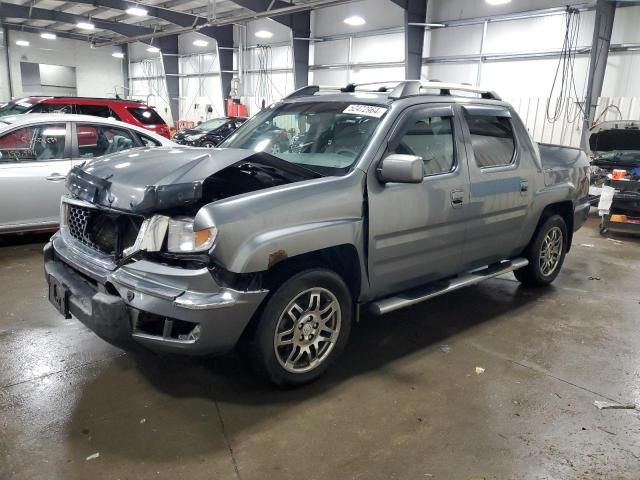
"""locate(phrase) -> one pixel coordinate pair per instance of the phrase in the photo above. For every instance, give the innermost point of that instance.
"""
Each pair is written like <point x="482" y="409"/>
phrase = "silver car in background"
<point x="38" y="150"/>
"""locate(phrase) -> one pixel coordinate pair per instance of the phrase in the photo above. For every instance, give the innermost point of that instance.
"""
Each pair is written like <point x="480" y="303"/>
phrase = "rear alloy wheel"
<point x="208" y="145"/>
<point x="545" y="253"/>
<point x="302" y="329"/>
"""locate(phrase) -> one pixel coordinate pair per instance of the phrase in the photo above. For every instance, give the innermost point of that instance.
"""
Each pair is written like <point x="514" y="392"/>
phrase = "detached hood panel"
<point x="161" y="178"/>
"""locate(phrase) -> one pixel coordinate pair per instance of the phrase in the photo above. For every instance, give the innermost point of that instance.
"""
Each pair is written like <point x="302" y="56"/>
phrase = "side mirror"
<point x="401" y="168"/>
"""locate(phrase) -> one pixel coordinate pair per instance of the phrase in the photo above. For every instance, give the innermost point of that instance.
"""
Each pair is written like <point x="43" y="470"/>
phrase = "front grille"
<point x="106" y="232"/>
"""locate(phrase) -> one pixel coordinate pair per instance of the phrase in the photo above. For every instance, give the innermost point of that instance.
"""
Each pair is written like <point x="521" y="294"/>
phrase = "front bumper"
<point x="155" y="305"/>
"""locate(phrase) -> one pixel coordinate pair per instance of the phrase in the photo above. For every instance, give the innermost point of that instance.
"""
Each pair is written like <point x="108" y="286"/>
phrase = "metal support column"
<point x="481" y="60"/>
<point x="415" y="12"/>
<point x="605" y="11"/>
<point x="170" y="62"/>
<point x="300" y="39"/>
<point x="5" y="35"/>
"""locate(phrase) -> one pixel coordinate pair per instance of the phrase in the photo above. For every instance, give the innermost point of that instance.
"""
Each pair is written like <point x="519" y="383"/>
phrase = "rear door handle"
<point x="457" y="198"/>
<point x="56" y="177"/>
<point x="524" y="186"/>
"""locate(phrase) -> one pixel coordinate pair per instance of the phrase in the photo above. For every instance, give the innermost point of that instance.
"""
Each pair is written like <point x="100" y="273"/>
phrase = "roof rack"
<point x="400" y="89"/>
<point x="408" y="88"/>
<point x="96" y="98"/>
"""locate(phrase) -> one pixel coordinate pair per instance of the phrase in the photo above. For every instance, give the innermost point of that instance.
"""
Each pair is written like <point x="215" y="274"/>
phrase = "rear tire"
<point x="545" y="253"/>
<point x="302" y="329"/>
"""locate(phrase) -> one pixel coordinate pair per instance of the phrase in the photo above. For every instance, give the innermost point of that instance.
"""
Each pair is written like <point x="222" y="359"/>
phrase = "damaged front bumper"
<point x="164" y="308"/>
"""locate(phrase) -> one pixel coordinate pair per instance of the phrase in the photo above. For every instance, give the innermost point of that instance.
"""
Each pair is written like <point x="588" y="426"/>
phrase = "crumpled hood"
<point x="145" y="180"/>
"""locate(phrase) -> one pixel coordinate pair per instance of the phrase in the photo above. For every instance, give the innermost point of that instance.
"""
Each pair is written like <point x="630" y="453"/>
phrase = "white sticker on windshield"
<point x="366" y="110"/>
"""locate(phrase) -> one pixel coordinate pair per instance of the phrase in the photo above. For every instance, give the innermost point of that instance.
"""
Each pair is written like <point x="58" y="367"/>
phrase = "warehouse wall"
<point x="147" y="80"/>
<point x="371" y="43"/>
<point x="97" y="72"/>
<point x="527" y="83"/>
<point x="269" y="64"/>
<point x="200" y="87"/>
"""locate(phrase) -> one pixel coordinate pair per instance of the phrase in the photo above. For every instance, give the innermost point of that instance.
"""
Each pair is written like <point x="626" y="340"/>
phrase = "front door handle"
<point x="457" y="198"/>
<point x="56" y="177"/>
<point x="524" y="187"/>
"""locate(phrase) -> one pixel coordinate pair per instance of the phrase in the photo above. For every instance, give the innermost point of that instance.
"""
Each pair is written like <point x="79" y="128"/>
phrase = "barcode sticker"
<point x="366" y="110"/>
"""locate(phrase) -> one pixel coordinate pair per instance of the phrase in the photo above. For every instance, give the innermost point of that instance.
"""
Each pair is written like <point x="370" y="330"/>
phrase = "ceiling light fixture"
<point x="86" y="25"/>
<point x="153" y="50"/>
<point x="263" y="34"/>
<point x="498" y="2"/>
<point x="355" y="21"/>
<point x="117" y="54"/>
<point x="200" y="43"/>
<point x="137" y="11"/>
<point x="22" y="43"/>
<point x="48" y="36"/>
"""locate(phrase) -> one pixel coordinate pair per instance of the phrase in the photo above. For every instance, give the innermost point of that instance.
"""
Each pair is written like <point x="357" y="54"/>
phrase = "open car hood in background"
<point x="620" y="136"/>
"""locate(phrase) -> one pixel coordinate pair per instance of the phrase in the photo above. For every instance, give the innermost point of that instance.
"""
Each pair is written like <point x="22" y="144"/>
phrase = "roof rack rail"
<point x="111" y="99"/>
<point x="399" y="89"/>
<point x="413" y="87"/>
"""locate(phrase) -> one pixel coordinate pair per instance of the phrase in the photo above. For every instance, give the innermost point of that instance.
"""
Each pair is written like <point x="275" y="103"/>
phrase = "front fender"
<point x="264" y="250"/>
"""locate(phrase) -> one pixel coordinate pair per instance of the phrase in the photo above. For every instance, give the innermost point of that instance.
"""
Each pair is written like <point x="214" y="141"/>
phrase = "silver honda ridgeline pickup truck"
<point x="319" y="206"/>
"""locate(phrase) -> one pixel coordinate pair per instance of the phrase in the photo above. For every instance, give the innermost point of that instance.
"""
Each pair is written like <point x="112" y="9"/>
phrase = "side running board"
<point x="420" y="294"/>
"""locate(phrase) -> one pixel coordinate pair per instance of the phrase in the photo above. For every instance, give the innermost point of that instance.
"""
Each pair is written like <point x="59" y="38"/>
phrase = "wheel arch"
<point x="565" y="210"/>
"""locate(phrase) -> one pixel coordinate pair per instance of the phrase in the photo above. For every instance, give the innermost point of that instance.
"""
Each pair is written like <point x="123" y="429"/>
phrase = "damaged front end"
<point x="130" y="264"/>
<point x="147" y="207"/>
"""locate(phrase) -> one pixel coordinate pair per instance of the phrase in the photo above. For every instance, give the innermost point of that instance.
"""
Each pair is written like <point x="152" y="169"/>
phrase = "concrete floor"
<point x="404" y="402"/>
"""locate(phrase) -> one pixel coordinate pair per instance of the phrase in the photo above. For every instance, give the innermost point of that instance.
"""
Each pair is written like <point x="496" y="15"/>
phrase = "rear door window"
<point x="102" y="111"/>
<point x="146" y="115"/>
<point x="492" y="140"/>
<point x="34" y="143"/>
<point x="98" y="140"/>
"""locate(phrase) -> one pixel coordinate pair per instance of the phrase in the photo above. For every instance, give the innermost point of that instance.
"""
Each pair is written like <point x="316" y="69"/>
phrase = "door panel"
<point x="417" y="231"/>
<point x="500" y="196"/>
<point x="33" y="165"/>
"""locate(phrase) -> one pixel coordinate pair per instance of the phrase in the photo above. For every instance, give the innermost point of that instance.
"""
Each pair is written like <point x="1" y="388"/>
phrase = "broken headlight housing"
<point x="181" y="238"/>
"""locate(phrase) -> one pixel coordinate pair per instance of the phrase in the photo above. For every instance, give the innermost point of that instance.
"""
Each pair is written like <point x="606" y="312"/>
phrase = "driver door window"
<point x="431" y="138"/>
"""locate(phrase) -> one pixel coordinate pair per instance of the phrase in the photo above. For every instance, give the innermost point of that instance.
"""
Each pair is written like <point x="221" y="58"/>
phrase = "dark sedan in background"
<point x="210" y="133"/>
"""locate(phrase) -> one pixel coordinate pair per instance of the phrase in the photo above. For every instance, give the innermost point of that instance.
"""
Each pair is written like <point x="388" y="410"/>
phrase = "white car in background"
<point x="38" y="150"/>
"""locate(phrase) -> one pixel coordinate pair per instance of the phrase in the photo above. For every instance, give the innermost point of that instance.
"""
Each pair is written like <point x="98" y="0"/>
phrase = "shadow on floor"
<point x="375" y="343"/>
<point x="17" y="239"/>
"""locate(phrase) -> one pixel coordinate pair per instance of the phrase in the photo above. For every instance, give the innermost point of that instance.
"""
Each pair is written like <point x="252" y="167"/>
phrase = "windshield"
<point x="324" y="137"/>
<point x="14" y="108"/>
<point x="211" y="124"/>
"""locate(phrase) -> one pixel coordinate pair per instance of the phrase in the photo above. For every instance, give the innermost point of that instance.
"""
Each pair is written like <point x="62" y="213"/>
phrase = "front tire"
<point x="545" y="253"/>
<point x="302" y="329"/>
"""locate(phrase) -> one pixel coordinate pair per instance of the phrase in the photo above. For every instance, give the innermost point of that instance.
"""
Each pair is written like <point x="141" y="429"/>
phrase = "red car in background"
<point x="128" y="111"/>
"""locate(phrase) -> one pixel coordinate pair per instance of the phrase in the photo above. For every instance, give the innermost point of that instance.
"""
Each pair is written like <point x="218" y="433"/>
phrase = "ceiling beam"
<point x="61" y="34"/>
<point x="265" y="5"/>
<point x="18" y="11"/>
<point x="171" y="16"/>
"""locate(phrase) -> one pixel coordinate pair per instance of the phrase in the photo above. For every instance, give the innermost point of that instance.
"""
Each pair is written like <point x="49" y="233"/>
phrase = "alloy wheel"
<point x="550" y="251"/>
<point x="307" y="330"/>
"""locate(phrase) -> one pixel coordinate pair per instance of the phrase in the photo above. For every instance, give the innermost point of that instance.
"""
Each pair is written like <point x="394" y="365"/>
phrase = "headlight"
<point x="193" y="138"/>
<point x="182" y="238"/>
